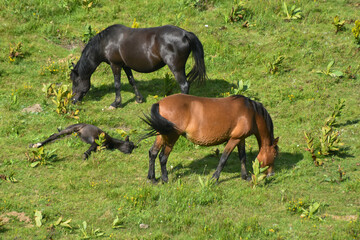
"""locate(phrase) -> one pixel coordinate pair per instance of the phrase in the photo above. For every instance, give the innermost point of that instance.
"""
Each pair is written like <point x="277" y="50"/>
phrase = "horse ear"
<point x="127" y="139"/>
<point x="75" y="72"/>
<point x="276" y="140"/>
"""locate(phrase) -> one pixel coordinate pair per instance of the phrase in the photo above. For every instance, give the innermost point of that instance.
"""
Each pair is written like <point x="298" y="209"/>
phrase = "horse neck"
<point x="88" y="62"/>
<point x="115" y="143"/>
<point x="263" y="135"/>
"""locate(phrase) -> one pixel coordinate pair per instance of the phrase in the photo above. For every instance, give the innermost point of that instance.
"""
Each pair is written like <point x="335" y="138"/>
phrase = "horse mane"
<point x="86" y="65"/>
<point x="261" y="110"/>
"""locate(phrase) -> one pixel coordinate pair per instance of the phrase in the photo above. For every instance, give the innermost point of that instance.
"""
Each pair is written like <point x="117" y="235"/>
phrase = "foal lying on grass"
<point x="89" y="133"/>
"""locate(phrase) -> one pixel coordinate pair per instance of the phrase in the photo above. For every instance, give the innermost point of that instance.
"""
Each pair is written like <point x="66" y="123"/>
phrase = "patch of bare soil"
<point x="20" y="216"/>
<point x="33" y="109"/>
<point x="343" y="218"/>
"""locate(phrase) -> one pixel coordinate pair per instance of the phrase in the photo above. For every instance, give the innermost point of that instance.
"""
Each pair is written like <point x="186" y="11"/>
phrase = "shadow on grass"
<point x="343" y="153"/>
<point x="348" y="123"/>
<point x="208" y="164"/>
<point x="156" y="86"/>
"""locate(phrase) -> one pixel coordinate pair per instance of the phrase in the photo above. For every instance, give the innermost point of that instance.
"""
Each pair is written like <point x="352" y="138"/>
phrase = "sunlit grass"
<point x="111" y="184"/>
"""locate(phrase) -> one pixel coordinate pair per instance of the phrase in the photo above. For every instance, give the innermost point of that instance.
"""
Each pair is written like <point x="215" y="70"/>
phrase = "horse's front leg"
<point x="139" y="97"/>
<point x="92" y="148"/>
<point x="242" y="157"/>
<point x="117" y="83"/>
<point x="232" y="143"/>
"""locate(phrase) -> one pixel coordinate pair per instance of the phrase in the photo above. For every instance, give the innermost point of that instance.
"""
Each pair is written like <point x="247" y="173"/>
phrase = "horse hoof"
<point x="36" y="145"/>
<point x="139" y="100"/>
<point x="153" y="181"/>
<point x="115" y="105"/>
<point x="245" y="177"/>
<point x="111" y="107"/>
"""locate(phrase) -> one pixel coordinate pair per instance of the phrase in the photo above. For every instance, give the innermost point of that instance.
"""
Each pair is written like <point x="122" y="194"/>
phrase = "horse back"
<point x="144" y="49"/>
<point x="208" y="121"/>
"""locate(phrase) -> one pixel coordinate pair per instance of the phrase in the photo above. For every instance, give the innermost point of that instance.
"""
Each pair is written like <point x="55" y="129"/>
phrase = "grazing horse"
<point x="89" y="133"/>
<point x="207" y="122"/>
<point x="143" y="50"/>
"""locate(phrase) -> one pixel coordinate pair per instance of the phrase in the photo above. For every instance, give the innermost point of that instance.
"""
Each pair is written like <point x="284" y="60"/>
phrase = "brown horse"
<point x="207" y="122"/>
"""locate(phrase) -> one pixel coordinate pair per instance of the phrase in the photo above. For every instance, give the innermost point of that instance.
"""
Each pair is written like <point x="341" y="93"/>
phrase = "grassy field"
<point x="111" y="185"/>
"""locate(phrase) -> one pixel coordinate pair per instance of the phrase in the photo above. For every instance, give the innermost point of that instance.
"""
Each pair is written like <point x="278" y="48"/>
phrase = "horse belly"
<point x="147" y="68"/>
<point x="205" y="138"/>
<point x="143" y="56"/>
<point x="206" y="141"/>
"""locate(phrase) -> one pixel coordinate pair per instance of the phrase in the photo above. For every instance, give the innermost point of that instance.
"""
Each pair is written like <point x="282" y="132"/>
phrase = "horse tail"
<point x="158" y="124"/>
<point x="198" y="72"/>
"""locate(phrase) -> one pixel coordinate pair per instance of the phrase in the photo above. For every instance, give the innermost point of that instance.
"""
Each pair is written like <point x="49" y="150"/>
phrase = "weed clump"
<point x="239" y="13"/>
<point x="258" y="174"/>
<point x="329" y="141"/>
<point x="273" y="67"/>
<point x="61" y="96"/>
<point x="338" y="24"/>
<point x="40" y="157"/>
<point x="305" y="209"/>
<point x="135" y="24"/>
<point x="356" y="31"/>
<point x="200" y="5"/>
<point x="292" y="13"/>
<point x="15" y="52"/>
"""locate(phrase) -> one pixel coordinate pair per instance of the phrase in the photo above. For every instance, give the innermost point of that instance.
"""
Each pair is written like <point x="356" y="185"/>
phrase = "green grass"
<point x="111" y="184"/>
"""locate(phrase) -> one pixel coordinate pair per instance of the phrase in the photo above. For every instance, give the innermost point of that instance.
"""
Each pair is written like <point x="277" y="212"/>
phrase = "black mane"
<point x="86" y="65"/>
<point x="260" y="109"/>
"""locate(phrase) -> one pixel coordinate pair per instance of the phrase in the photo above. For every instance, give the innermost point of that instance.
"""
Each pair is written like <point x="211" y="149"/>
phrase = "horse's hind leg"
<point x="139" y="97"/>
<point x="242" y="157"/>
<point x="54" y="136"/>
<point x="117" y="84"/>
<point x="153" y="152"/>
<point x="164" y="154"/>
<point x="232" y="143"/>
<point x="181" y="79"/>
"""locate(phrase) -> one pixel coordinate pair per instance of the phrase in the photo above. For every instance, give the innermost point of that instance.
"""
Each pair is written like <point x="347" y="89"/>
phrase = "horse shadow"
<point x="158" y="86"/>
<point x="208" y="164"/>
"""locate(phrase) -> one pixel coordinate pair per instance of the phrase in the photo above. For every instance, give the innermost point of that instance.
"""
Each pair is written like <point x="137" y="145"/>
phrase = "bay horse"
<point x="89" y="133"/>
<point x="144" y="50"/>
<point x="207" y="122"/>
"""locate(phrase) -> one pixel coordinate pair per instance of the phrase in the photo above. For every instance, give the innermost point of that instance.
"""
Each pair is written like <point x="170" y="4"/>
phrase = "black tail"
<point x="157" y="123"/>
<point x="198" y="72"/>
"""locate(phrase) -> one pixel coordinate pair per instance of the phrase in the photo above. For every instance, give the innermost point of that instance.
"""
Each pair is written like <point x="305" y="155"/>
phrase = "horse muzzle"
<point x="77" y="97"/>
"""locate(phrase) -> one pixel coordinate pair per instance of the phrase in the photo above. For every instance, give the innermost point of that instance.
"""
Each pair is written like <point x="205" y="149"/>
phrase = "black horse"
<point x="143" y="50"/>
<point x="89" y="133"/>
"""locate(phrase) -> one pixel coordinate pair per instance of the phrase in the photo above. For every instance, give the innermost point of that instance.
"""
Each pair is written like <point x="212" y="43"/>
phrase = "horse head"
<point x="81" y="84"/>
<point x="267" y="157"/>
<point x="127" y="146"/>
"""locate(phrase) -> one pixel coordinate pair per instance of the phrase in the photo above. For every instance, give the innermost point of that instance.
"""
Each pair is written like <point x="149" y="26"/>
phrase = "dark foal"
<point x="143" y="50"/>
<point x="89" y="133"/>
